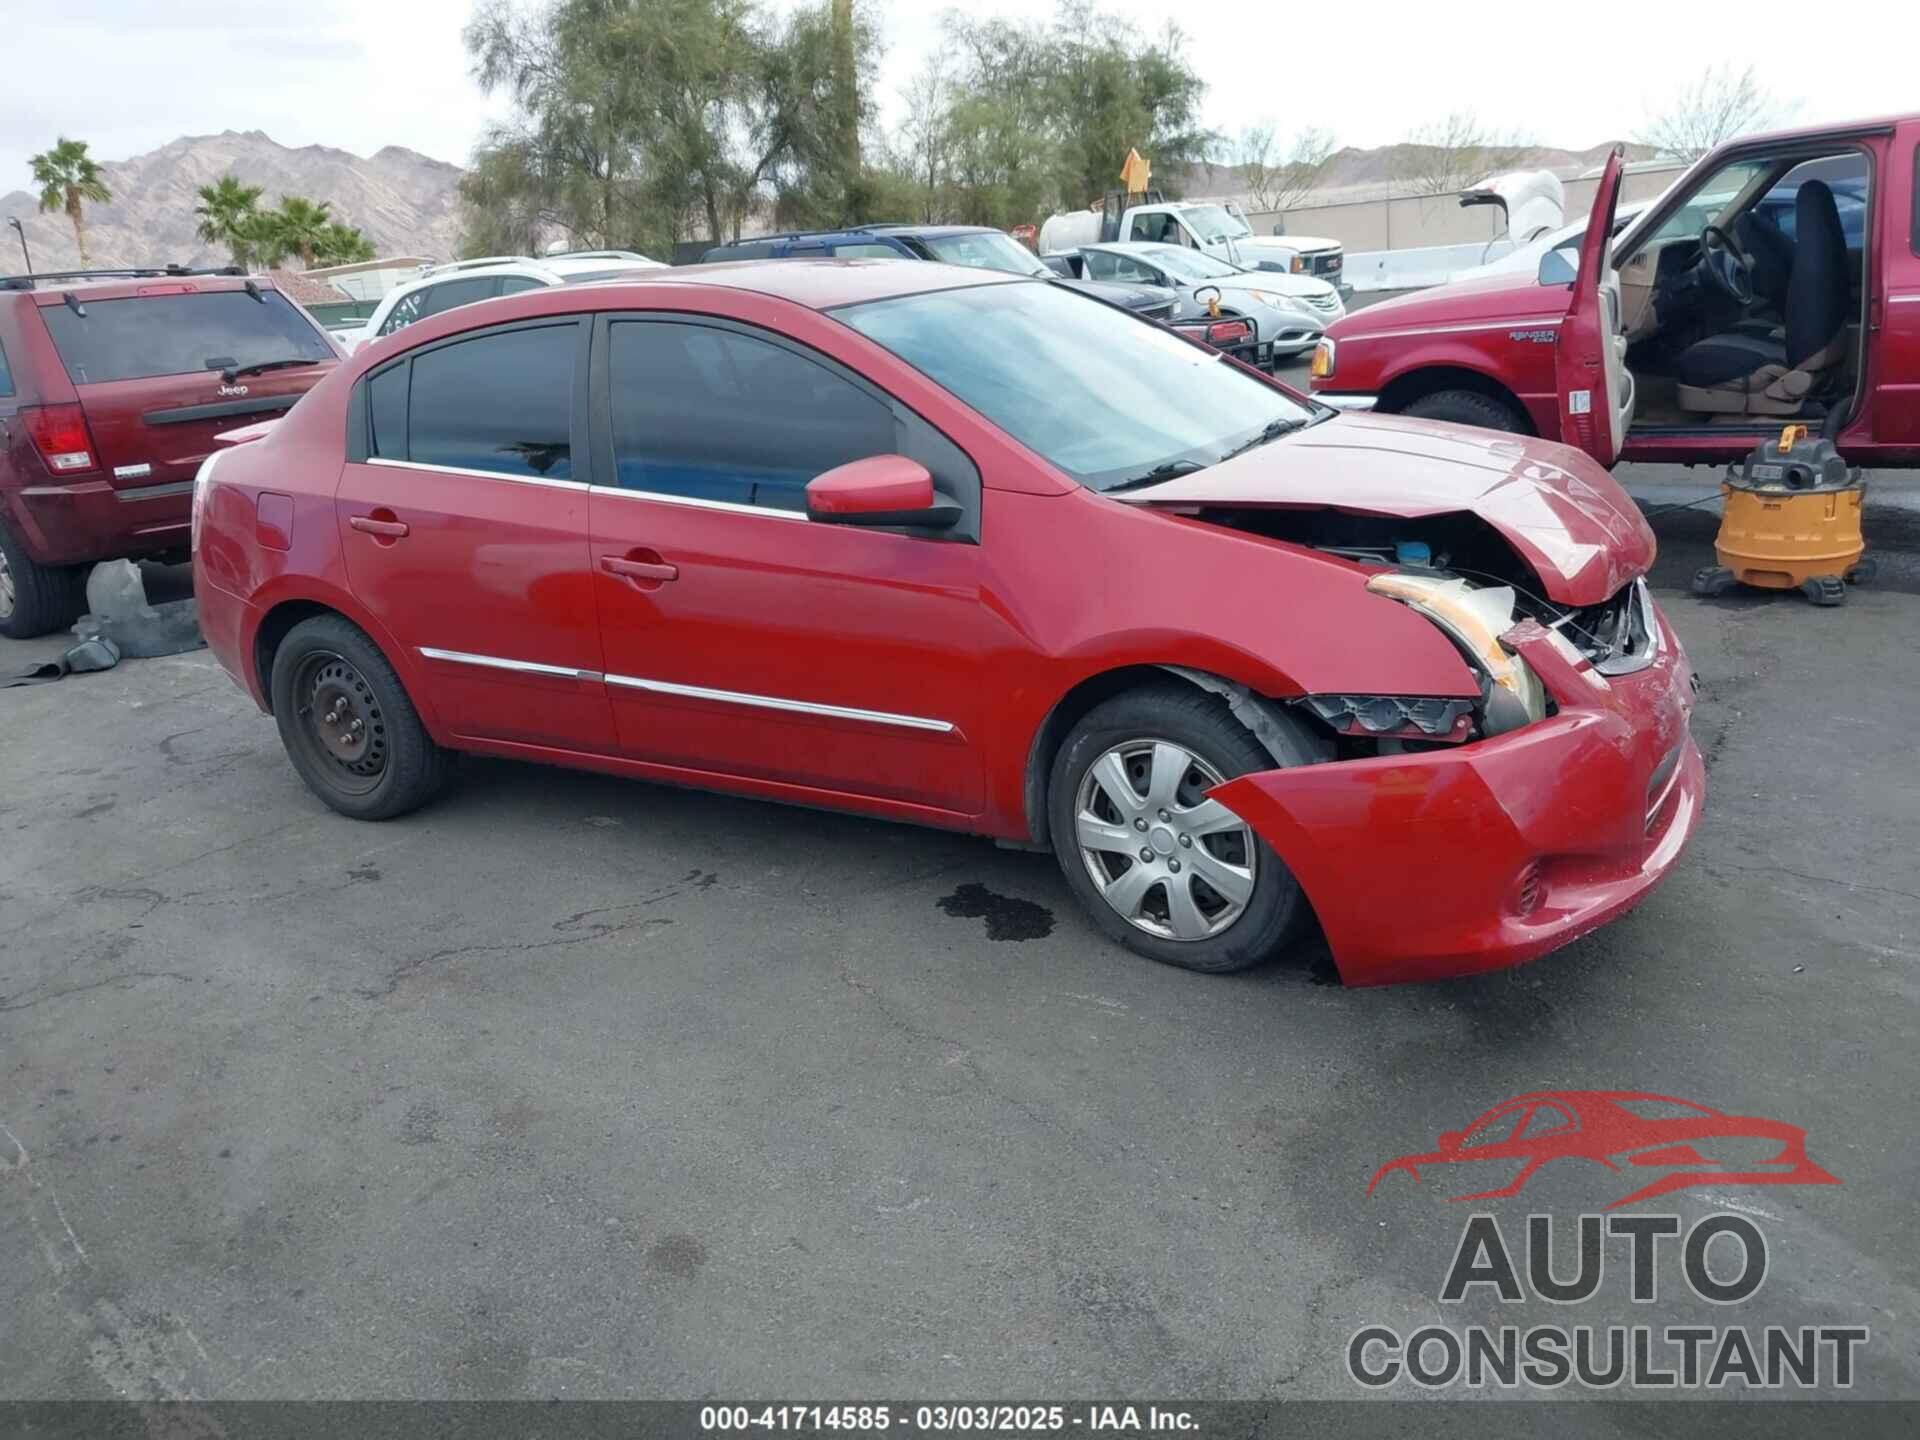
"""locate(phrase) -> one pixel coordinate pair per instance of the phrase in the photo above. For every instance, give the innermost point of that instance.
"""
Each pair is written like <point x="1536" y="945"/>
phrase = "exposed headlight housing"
<point x="1476" y="618"/>
<point x="1395" y="716"/>
<point x="1323" y="359"/>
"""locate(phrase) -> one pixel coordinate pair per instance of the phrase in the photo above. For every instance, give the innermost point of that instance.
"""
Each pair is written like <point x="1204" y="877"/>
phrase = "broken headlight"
<point x="1476" y="618"/>
<point x="1394" y="716"/>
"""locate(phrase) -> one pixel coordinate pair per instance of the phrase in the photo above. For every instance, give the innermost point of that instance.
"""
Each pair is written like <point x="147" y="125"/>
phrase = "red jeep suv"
<point x="113" y="384"/>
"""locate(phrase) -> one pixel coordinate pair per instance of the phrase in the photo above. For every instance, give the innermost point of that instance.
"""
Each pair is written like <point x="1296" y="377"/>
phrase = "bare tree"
<point x="1447" y="155"/>
<point x="1716" y="107"/>
<point x="924" y="140"/>
<point x="1277" y="178"/>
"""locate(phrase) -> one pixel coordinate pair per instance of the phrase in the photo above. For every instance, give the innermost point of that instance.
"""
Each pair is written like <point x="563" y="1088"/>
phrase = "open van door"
<point x="1596" y="389"/>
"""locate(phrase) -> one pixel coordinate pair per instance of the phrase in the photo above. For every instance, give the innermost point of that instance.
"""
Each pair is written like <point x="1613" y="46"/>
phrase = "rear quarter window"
<point x="146" y="335"/>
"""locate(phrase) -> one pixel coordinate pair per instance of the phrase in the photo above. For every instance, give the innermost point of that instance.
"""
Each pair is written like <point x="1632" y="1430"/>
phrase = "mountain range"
<point x="405" y="202"/>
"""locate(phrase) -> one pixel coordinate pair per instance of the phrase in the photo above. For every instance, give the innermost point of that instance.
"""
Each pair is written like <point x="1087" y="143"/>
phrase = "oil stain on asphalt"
<point x="1007" y="917"/>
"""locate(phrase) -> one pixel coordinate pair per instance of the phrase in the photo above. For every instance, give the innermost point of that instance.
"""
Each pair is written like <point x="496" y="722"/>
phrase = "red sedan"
<point x="972" y="551"/>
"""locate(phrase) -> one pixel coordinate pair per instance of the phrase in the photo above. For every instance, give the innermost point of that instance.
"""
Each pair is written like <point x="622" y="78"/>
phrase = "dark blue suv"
<point x="974" y="245"/>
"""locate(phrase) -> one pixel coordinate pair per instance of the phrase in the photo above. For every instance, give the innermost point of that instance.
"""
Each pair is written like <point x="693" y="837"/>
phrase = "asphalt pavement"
<point x="570" y="1086"/>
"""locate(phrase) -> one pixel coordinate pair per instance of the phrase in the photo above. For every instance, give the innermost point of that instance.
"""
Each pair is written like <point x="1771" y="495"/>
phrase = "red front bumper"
<point x="1448" y="862"/>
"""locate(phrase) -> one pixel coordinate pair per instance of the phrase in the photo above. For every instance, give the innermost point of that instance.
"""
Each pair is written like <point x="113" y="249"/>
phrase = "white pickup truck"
<point x="1205" y="225"/>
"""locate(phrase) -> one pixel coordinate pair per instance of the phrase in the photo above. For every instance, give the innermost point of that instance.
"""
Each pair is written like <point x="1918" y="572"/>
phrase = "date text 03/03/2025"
<point x="941" y="1418"/>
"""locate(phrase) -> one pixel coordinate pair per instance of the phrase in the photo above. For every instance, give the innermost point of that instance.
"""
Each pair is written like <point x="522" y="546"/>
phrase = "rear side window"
<point x="6" y="375"/>
<point x="501" y="402"/>
<point x="432" y="299"/>
<point x="868" y="249"/>
<point x="387" y="411"/>
<point x="147" y="335"/>
<point x="716" y="415"/>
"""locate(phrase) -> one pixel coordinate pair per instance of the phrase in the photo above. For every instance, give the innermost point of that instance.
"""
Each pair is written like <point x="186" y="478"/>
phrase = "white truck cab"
<point x="1209" y="226"/>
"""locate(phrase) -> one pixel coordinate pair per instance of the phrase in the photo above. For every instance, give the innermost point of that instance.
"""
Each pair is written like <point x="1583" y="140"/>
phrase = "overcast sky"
<point x="130" y="75"/>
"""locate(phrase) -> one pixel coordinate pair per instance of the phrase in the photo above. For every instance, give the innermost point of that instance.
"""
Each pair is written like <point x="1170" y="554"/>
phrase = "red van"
<point x="1777" y="280"/>
<point x="113" y="384"/>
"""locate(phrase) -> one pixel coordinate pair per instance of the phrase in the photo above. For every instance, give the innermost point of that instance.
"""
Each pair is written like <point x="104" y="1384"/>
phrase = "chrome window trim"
<point x="773" y="702"/>
<point x="385" y="463"/>
<point x="729" y="507"/>
<point x="497" y="662"/>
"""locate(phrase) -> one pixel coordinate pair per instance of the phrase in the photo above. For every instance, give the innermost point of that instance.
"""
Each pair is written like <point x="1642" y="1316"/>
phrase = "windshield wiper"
<point x="1273" y="431"/>
<point x="1169" y="471"/>
<point x="233" y="372"/>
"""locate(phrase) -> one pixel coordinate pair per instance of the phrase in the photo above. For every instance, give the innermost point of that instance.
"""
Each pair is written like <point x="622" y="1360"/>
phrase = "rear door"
<point x="463" y="518"/>
<point x="151" y="368"/>
<point x="1590" y="364"/>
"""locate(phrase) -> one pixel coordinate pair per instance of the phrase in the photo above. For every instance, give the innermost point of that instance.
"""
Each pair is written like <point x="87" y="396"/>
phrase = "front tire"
<point x="347" y="724"/>
<point x="1161" y="869"/>
<point x="36" y="599"/>
<point x="1467" y="407"/>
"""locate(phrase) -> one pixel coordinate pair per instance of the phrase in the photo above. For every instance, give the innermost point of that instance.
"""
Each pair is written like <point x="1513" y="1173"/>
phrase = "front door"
<point x="743" y="639"/>
<point x="1596" y="389"/>
<point x="465" y="532"/>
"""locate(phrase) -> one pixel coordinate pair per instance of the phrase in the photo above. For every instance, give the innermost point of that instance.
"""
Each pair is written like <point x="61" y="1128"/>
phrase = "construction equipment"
<point x="1791" y="522"/>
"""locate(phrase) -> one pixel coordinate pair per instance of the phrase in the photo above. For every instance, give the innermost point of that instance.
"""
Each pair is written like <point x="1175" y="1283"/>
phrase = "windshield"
<point x="986" y="250"/>
<point x="146" y="335"/>
<point x="1191" y="265"/>
<point x="1106" y="397"/>
<point x="1216" y="222"/>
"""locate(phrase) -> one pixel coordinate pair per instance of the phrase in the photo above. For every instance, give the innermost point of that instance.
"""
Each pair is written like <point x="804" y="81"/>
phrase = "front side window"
<point x="867" y="250"/>
<point x="146" y="335"/>
<point x="1123" y="397"/>
<point x="501" y="402"/>
<point x="713" y="414"/>
<point x="1709" y="199"/>
<point x="1155" y="227"/>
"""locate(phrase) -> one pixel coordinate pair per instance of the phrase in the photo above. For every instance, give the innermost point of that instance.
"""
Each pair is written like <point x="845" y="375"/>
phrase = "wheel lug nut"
<point x="1174" y="865"/>
<point x="1165" y="816"/>
<point x="1146" y="855"/>
<point x="1187" y="840"/>
<point x="1140" y="824"/>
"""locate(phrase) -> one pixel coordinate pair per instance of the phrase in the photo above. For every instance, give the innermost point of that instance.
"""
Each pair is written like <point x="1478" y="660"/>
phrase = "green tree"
<point x="300" y="227"/>
<point x="342" y="245"/>
<point x="68" y="177"/>
<point x="226" y="211"/>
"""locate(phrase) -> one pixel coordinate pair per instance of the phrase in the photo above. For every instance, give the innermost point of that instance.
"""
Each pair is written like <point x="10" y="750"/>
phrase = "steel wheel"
<point x="339" y="720"/>
<point x="1167" y="859"/>
<point x="6" y="587"/>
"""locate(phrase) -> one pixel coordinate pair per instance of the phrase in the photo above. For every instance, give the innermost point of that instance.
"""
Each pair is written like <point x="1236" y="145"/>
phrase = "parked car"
<point x="959" y="548"/>
<point x="1289" y="311"/>
<point x="974" y="246"/>
<point x="1769" y="284"/>
<point x="464" y="281"/>
<point x="1204" y="225"/>
<point x="112" y="385"/>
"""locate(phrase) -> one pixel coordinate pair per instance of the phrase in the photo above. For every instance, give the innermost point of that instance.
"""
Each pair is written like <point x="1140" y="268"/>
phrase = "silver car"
<point x="1289" y="311"/>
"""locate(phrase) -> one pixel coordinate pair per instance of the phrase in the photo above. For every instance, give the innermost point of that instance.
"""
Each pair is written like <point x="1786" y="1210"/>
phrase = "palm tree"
<point x="302" y="227"/>
<point x="342" y="245"/>
<point x="67" y="177"/>
<point x="226" y="210"/>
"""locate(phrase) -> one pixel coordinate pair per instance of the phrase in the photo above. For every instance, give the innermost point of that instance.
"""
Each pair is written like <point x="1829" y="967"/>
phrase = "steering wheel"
<point x="1727" y="265"/>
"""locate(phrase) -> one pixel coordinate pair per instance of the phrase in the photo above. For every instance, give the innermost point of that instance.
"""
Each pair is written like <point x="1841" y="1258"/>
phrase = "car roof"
<point x="825" y="283"/>
<point x="855" y="231"/>
<point x="49" y="288"/>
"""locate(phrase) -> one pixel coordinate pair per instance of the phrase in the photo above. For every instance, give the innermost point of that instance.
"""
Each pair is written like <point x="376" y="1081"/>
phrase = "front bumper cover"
<point x="1448" y="862"/>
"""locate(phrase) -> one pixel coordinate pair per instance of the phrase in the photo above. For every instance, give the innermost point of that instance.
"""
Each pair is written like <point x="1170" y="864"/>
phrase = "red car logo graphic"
<point x="1626" y="1131"/>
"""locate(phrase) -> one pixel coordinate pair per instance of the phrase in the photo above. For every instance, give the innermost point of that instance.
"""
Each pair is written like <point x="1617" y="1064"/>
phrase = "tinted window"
<point x="869" y="250"/>
<point x="1121" y="397"/>
<point x="178" y="334"/>
<point x="514" y="284"/>
<point x="6" y="375"/>
<point x="387" y="412"/>
<point x="716" y="415"/>
<point x="432" y="299"/>
<point x="499" y="402"/>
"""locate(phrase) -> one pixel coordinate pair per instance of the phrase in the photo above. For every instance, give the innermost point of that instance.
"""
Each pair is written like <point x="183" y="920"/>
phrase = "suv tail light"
<point x="60" y="434"/>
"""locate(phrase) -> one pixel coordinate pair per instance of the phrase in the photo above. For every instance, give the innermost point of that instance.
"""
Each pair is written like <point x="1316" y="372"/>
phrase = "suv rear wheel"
<point x="1159" y="867"/>
<point x="348" y="725"/>
<point x="36" y="599"/>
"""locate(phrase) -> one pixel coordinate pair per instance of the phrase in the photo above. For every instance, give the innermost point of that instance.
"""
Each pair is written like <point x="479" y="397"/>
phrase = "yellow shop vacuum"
<point x="1791" y="522"/>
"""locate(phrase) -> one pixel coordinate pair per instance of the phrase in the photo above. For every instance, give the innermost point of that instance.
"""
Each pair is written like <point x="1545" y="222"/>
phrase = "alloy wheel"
<point x="1167" y="859"/>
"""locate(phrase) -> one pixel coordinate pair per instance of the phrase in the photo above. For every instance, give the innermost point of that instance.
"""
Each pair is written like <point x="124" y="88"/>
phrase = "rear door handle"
<point x="391" y="529"/>
<point x="639" y="569"/>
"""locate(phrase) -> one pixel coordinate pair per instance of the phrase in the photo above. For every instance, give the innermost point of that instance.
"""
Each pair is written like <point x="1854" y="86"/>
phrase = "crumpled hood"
<point x="1564" y="515"/>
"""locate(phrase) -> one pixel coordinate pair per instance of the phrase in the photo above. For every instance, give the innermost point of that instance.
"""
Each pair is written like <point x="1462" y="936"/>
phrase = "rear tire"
<point x="348" y="725"/>
<point x="36" y="599"/>
<point x="1467" y="407"/>
<point x="1121" y="743"/>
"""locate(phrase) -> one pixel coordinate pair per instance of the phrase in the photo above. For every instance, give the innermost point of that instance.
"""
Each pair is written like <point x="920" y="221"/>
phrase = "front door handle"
<point x="655" y="571"/>
<point x="373" y="525"/>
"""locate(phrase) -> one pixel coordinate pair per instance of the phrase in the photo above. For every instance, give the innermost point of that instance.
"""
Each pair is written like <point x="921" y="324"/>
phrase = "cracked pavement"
<point x="571" y="1086"/>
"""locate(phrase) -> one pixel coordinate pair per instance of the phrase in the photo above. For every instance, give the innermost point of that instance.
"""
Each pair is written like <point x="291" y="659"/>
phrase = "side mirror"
<point x="1557" y="269"/>
<point x="880" y="490"/>
<point x="1450" y="1139"/>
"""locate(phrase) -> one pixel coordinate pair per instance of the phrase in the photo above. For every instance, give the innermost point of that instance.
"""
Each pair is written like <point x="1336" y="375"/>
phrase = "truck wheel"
<point x="1161" y="869"/>
<point x="1467" y="407"/>
<point x="36" y="599"/>
<point x="348" y="725"/>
